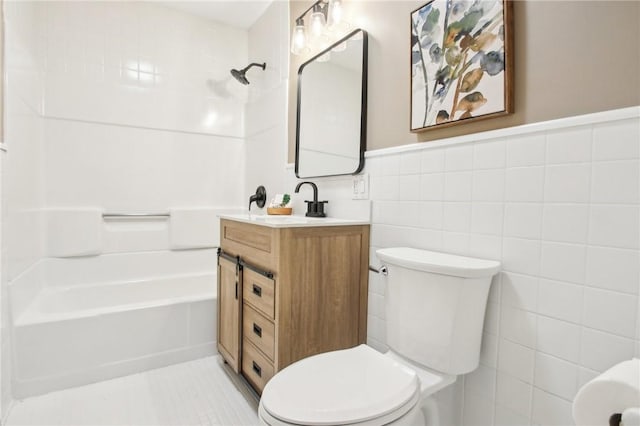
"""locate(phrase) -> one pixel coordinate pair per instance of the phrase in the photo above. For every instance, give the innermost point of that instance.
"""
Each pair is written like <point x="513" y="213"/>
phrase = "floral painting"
<point x="460" y="62"/>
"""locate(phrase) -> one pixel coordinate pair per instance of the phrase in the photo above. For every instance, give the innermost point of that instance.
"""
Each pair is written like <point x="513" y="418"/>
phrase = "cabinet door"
<point x="229" y="304"/>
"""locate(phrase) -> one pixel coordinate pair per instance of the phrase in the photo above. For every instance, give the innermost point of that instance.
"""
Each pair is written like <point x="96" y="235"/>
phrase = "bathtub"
<point x="72" y="335"/>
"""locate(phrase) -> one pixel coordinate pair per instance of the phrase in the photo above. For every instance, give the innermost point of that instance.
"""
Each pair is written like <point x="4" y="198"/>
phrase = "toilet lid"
<point x="339" y="387"/>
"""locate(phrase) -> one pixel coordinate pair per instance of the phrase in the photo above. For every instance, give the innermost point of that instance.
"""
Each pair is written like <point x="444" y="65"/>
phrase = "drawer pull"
<point x="257" y="290"/>
<point x="256" y="369"/>
<point x="257" y="330"/>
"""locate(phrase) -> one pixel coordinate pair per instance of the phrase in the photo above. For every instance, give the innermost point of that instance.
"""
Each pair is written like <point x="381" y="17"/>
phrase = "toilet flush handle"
<point x="383" y="270"/>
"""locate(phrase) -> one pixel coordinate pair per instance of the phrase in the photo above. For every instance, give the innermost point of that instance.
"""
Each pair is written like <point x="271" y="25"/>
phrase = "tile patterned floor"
<point x="199" y="392"/>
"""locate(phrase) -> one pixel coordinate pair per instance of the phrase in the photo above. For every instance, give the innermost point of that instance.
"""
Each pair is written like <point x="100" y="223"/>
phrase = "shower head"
<point x="240" y="74"/>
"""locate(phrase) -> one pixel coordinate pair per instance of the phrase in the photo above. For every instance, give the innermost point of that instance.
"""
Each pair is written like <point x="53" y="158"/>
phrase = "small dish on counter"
<point x="279" y="210"/>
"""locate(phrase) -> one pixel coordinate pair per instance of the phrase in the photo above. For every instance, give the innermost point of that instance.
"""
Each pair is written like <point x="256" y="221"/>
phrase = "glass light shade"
<point x="318" y="21"/>
<point x="298" y="38"/>
<point x="335" y="12"/>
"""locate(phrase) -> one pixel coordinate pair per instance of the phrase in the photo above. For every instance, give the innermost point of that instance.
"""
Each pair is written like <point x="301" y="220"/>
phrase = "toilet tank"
<point x="435" y="306"/>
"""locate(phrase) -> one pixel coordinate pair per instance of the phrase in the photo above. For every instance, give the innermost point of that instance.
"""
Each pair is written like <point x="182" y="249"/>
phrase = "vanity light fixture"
<point x="318" y="20"/>
<point x="324" y="15"/>
<point x="299" y="37"/>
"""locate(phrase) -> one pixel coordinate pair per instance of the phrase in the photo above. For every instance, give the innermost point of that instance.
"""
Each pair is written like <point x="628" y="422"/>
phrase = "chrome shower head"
<point x="240" y="74"/>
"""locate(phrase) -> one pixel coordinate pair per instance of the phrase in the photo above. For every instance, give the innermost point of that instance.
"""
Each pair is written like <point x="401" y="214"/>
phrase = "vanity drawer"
<point x="255" y="366"/>
<point x="259" y="330"/>
<point x="259" y="292"/>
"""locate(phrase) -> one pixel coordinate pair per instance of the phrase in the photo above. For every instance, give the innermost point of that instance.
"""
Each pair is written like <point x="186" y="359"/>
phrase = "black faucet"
<point x="260" y="197"/>
<point x="315" y="208"/>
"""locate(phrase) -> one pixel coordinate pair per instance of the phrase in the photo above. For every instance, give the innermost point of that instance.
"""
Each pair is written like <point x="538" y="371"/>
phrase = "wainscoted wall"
<point x="541" y="92"/>
<point x="558" y="204"/>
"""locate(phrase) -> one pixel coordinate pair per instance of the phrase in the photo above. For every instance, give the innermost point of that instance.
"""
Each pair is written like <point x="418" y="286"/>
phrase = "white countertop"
<point x="274" y="221"/>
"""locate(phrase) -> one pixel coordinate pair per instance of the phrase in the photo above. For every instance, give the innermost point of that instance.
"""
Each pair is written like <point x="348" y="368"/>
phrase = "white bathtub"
<point x="77" y="334"/>
<point x="60" y="303"/>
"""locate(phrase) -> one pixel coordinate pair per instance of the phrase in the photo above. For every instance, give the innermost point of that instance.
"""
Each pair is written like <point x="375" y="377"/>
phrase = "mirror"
<point x="332" y="110"/>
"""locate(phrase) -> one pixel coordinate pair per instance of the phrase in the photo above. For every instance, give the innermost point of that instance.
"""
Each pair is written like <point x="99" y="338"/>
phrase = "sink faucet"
<point x="315" y="208"/>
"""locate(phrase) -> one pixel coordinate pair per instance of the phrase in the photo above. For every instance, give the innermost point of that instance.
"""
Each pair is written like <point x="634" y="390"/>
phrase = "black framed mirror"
<point x="331" y="129"/>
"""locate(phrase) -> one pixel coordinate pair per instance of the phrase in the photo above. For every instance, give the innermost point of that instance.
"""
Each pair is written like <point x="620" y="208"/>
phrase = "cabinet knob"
<point x="257" y="329"/>
<point x="257" y="290"/>
<point x="256" y="368"/>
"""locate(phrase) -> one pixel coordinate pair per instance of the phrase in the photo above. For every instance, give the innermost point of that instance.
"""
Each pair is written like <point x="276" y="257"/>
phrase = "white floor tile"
<point x="199" y="392"/>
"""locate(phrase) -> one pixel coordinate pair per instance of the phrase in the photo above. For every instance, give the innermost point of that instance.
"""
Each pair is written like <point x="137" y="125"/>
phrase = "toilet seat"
<point x="357" y="386"/>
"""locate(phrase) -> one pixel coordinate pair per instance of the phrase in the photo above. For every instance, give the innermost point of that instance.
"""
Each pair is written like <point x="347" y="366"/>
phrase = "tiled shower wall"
<point x="22" y="162"/>
<point x="266" y="120"/>
<point x="141" y="97"/>
<point x="558" y="204"/>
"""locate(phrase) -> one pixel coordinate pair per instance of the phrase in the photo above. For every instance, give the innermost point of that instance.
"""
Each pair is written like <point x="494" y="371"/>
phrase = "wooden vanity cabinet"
<point x="303" y="292"/>
<point x="229" y="304"/>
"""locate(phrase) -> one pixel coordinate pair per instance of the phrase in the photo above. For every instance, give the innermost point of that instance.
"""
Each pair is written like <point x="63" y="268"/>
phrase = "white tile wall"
<point x="266" y="119"/>
<point x="149" y="66"/>
<point x="21" y="174"/>
<point x="124" y="106"/>
<point x="559" y="207"/>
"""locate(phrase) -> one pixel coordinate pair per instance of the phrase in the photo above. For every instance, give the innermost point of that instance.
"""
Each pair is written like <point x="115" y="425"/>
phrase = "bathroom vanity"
<point x="289" y="288"/>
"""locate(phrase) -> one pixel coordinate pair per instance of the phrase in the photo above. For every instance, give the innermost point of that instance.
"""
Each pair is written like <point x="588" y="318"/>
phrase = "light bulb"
<point x="298" y="38"/>
<point x="335" y="12"/>
<point x="318" y="21"/>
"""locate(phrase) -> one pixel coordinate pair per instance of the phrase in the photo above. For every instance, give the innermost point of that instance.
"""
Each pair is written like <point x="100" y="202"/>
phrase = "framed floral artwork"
<point x="461" y="62"/>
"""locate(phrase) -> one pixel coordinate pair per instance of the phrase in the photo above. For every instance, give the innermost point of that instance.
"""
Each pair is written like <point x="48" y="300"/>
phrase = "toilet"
<point x="435" y="305"/>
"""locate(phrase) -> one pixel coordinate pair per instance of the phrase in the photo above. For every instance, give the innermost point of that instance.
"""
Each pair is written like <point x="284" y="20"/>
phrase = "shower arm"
<point x="254" y="64"/>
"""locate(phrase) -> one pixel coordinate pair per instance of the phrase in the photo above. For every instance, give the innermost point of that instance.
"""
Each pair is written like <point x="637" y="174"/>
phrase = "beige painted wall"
<point x="571" y="58"/>
<point x="2" y="79"/>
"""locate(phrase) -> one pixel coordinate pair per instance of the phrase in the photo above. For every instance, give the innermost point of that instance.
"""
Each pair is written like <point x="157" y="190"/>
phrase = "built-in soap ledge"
<point x="291" y="221"/>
